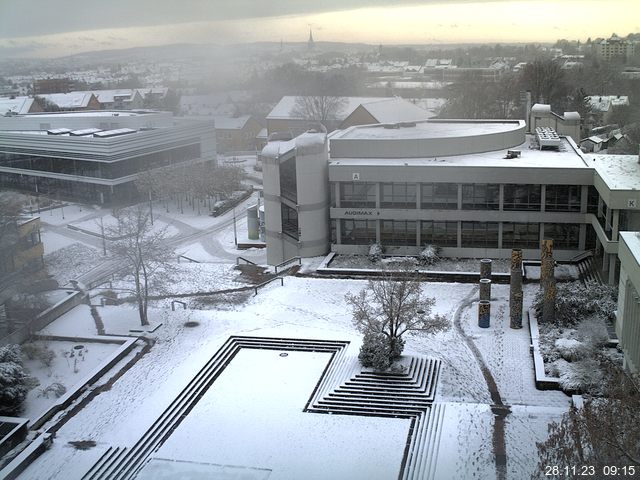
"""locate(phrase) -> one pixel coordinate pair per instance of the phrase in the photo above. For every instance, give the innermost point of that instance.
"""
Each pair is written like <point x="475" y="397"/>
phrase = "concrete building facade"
<point x="473" y="188"/>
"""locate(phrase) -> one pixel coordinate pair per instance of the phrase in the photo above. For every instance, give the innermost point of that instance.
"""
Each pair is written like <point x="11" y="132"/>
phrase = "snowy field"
<point x="310" y="308"/>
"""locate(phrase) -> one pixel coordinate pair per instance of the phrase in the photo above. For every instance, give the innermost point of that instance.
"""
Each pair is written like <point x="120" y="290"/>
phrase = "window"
<point x="480" y="234"/>
<point x="442" y="234"/>
<point x="522" y="197"/>
<point x="562" y="198"/>
<point x="439" y="196"/>
<point x="480" y="196"/>
<point x="358" y="195"/>
<point x="520" y="235"/>
<point x="398" y="233"/>
<point x="398" y="195"/>
<point x="593" y="198"/>
<point x="289" y="221"/>
<point x="358" y="232"/>
<point x="564" y="235"/>
<point x="288" y="182"/>
<point x="332" y="226"/>
<point x="332" y="194"/>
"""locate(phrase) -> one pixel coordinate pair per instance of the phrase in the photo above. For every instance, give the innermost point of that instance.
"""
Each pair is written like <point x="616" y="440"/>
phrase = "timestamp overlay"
<point x="606" y="471"/>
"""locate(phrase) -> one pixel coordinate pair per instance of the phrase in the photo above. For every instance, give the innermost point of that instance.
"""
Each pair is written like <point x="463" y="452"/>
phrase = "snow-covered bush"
<point x="429" y="255"/>
<point x="576" y="302"/>
<point x="13" y="388"/>
<point x="570" y="349"/>
<point x="593" y="333"/>
<point x="584" y="376"/>
<point x="34" y="351"/>
<point x="375" y="252"/>
<point x="56" y="389"/>
<point x="375" y="352"/>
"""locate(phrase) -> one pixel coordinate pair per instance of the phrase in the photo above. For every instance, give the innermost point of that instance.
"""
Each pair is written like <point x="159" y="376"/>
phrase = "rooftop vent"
<point x="547" y="138"/>
<point x="513" y="154"/>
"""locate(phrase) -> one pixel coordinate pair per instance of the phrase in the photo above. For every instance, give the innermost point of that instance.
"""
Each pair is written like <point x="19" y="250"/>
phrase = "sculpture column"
<point x="515" y="290"/>
<point x="548" y="281"/>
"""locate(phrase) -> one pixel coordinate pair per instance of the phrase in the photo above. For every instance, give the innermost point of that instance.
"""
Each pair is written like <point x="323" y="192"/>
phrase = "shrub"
<point x="375" y="252"/>
<point x="429" y="255"/>
<point x="56" y="389"/>
<point x="40" y="352"/>
<point x="575" y="302"/>
<point x="375" y="352"/>
<point x="13" y="388"/>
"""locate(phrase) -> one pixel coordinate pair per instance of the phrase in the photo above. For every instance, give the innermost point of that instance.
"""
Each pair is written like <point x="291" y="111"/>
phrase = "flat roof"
<point x="427" y="130"/>
<point x="619" y="172"/>
<point x="89" y="113"/>
<point x="530" y="157"/>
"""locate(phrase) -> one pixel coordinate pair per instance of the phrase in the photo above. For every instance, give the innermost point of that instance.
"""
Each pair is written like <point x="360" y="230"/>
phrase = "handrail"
<point x="581" y="256"/>
<point x="292" y="259"/>
<point x="260" y="285"/>
<point x="245" y="260"/>
<point x="187" y="258"/>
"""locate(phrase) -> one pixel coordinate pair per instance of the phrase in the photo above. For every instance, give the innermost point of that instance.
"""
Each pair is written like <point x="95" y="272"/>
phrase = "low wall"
<point x="23" y="333"/>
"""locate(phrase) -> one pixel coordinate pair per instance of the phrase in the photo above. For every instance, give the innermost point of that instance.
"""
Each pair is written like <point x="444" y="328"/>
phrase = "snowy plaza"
<point x="250" y="422"/>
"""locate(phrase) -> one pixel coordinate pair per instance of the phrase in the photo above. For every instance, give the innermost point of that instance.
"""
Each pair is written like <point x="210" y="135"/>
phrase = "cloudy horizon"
<point x="35" y="29"/>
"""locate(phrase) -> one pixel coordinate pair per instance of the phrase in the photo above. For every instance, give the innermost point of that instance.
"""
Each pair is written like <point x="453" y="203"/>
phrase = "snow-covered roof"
<point x="69" y="100"/>
<point x="394" y="110"/>
<point x="157" y="91"/>
<point x="18" y="105"/>
<point x="531" y="157"/>
<point x="384" y="109"/>
<point x="619" y="172"/>
<point x="602" y="103"/>
<point x="109" y="96"/>
<point x="285" y="108"/>
<point x="231" y="123"/>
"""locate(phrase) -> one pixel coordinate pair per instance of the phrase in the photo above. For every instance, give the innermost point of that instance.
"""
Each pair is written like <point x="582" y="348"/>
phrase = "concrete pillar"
<point x="515" y="290"/>
<point x="484" y="314"/>
<point x="548" y="281"/>
<point x="485" y="289"/>
<point x="485" y="268"/>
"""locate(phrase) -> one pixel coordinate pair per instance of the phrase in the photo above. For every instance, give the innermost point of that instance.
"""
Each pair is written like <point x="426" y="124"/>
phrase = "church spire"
<point x="310" y="42"/>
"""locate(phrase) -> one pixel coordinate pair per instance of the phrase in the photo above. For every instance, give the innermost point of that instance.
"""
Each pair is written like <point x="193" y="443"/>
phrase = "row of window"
<point x="444" y="196"/>
<point x="110" y="170"/>
<point x="445" y="234"/>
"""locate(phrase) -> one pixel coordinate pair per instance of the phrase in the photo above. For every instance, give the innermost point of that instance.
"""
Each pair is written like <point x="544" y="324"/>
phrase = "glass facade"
<point x="480" y="196"/>
<point x="562" y="198"/>
<point x="520" y="235"/>
<point x="357" y="195"/>
<point x="439" y="196"/>
<point x="398" y="195"/>
<point x="289" y="221"/>
<point x="462" y="234"/>
<point x="398" y="232"/>
<point x="288" y="181"/>
<point x="358" y="232"/>
<point x="480" y="234"/>
<point x="442" y="234"/>
<point x="564" y="235"/>
<point x="522" y="197"/>
<point x="107" y="170"/>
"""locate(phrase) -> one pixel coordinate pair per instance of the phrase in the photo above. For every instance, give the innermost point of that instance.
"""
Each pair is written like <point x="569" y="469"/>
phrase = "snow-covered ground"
<point x="310" y="308"/>
<point x="72" y="362"/>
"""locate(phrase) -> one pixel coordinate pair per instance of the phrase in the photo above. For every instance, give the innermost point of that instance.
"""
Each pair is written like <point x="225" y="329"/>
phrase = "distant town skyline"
<point x="31" y="28"/>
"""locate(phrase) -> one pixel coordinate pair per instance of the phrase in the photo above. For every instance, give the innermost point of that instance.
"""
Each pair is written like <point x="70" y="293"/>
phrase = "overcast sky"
<point x="61" y="27"/>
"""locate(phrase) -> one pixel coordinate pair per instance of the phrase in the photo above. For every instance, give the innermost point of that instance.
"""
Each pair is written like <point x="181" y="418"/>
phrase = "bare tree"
<point x="319" y="108"/>
<point x="601" y="433"/>
<point x="546" y="80"/>
<point x="142" y="250"/>
<point x="390" y="307"/>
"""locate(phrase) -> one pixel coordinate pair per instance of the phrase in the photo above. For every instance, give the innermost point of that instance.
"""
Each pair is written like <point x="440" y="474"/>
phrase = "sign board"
<point x="356" y="176"/>
<point x="632" y="203"/>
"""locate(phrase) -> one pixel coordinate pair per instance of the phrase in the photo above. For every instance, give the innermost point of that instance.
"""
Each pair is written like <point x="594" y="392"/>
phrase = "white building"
<point x="96" y="156"/>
